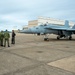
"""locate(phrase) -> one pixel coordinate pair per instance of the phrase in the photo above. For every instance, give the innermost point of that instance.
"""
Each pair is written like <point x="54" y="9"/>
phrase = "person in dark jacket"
<point x="13" y="37"/>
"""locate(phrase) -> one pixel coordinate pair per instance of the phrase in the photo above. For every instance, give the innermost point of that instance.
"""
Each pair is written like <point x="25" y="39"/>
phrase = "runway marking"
<point x="67" y="63"/>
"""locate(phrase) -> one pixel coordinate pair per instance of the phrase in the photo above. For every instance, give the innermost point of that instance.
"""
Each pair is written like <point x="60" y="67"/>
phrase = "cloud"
<point x="17" y="13"/>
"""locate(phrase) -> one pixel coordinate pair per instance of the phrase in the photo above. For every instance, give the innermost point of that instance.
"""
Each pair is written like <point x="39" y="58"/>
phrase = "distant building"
<point x="25" y="27"/>
<point x="32" y="23"/>
<point x="43" y="20"/>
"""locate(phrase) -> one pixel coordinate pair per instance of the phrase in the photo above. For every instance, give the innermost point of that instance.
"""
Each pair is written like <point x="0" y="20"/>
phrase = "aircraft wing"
<point x="62" y="29"/>
<point x="56" y="28"/>
<point x="73" y="30"/>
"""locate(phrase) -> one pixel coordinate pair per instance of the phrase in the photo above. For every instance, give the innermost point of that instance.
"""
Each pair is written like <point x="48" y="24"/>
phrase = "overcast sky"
<point x="17" y="13"/>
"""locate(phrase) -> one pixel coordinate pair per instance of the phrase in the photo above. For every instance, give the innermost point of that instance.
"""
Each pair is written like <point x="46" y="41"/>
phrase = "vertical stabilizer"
<point x="73" y="27"/>
<point x="67" y="23"/>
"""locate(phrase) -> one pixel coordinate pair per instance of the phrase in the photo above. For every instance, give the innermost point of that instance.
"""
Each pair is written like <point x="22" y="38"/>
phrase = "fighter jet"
<point x="62" y="31"/>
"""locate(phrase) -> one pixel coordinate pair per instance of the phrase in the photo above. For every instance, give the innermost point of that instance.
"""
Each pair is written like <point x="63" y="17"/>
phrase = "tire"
<point x="45" y="39"/>
<point x="70" y="37"/>
<point x="58" y="37"/>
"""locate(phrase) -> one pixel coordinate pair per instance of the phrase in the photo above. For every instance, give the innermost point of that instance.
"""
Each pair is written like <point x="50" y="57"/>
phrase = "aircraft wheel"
<point x="70" y="37"/>
<point x="58" y="37"/>
<point x="45" y="39"/>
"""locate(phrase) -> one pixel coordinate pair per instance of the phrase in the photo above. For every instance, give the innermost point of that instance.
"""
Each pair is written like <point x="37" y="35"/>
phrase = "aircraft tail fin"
<point x="67" y="23"/>
<point x="73" y="27"/>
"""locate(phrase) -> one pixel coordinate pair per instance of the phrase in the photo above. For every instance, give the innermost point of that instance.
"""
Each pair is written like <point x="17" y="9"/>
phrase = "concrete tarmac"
<point x="31" y="55"/>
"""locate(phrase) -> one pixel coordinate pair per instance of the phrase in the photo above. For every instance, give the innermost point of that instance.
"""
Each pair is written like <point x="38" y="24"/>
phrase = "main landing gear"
<point x="69" y="37"/>
<point x="58" y="37"/>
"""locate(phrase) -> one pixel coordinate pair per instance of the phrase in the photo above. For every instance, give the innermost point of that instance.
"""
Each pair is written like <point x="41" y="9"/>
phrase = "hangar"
<point x="43" y="20"/>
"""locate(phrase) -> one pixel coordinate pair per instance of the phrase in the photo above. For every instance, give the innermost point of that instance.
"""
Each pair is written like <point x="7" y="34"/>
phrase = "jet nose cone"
<point x="26" y="31"/>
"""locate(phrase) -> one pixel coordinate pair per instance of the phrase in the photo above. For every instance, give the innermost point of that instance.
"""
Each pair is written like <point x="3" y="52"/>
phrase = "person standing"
<point x="6" y="38"/>
<point x="2" y="37"/>
<point x="13" y="37"/>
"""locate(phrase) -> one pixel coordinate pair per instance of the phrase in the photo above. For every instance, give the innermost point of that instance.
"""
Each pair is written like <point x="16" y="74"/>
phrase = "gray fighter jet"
<point x="62" y="31"/>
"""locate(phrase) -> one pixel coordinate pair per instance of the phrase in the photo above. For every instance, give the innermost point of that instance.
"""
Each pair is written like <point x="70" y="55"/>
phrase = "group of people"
<point x="4" y="38"/>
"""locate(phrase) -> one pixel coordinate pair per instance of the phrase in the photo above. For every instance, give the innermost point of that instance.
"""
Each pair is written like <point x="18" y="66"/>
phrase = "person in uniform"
<point x="13" y="37"/>
<point x="6" y="38"/>
<point x="2" y="37"/>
